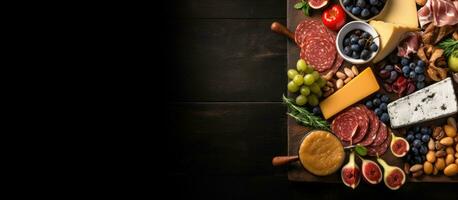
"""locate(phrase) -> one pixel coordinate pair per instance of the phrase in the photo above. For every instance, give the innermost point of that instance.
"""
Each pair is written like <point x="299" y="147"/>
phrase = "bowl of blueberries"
<point x="363" y="10"/>
<point x="357" y="42"/>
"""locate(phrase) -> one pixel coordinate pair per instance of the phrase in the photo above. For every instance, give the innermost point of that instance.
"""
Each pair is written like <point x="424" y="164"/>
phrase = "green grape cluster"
<point x="307" y="82"/>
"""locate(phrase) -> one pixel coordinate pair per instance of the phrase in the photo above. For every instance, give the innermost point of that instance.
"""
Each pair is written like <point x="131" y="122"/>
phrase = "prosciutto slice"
<point x="409" y="45"/>
<point x="439" y="12"/>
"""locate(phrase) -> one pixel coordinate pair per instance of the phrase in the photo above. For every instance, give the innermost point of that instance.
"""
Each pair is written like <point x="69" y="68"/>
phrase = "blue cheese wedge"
<point x="433" y="102"/>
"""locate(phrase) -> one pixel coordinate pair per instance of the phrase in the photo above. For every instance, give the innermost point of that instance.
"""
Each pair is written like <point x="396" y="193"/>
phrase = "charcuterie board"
<point x="296" y="131"/>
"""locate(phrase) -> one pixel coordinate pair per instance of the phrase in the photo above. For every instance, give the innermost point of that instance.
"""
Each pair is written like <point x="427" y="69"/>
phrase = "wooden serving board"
<point x="295" y="131"/>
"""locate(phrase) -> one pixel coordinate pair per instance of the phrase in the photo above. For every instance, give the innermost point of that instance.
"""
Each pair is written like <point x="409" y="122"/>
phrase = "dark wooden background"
<point x="224" y="76"/>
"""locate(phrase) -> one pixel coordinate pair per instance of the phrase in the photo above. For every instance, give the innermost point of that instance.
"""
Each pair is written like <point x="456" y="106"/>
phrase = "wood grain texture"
<point x="233" y="9"/>
<point x="227" y="138"/>
<point x="228" y="60"/>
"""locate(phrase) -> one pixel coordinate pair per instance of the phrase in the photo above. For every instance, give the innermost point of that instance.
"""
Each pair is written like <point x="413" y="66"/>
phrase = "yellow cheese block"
<point x="390" y="36"/>
<point x="402" y="12"/>
<point x="360" y="87"/>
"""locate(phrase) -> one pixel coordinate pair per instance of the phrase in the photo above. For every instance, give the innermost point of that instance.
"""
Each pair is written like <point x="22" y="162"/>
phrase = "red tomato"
<point x="334" y="17"/>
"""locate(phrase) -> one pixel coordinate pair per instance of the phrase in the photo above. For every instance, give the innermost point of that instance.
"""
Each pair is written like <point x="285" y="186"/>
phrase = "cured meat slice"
<point x="374" y="125"/>
<point x="380" y="149"/>
<point x="338" y="60"/>
<point x="382" y="134"/>
<point x="363" y="123"/>
<point x="307" y="29"/>
<point x="344" y="126"/>
<point x="319" y="53"/>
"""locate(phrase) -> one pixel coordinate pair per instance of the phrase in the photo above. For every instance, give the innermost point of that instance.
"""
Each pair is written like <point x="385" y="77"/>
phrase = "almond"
<point x="339" y="83"/>
<point x="416" y="168"/>
<point x="354" y="69"/>
<point x="447" y="141"/>
<point x="451" y="121"/>
<point x="450" y="131"/>
<point x="428" y="168"/>
<point x="349" y="73"/>
<point x="341" y="75"/>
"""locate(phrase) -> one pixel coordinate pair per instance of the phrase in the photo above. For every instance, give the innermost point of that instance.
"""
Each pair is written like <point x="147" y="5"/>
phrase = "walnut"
<point x="433" y="34"/>
<point x="435" y="61"/>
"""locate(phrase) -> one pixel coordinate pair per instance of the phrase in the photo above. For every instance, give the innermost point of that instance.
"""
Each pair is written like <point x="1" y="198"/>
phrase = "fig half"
<point x="393" y="176"/>
<point x="399" y="146"/>
<point x="351" y="175"/>
<point x="371" y="172"/>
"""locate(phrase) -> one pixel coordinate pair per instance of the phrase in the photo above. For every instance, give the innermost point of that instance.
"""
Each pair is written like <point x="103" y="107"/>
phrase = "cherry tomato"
<point x="334" y="17"/>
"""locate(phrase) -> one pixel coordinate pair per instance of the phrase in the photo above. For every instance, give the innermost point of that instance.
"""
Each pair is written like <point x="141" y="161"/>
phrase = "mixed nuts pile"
<point x="442" y="154"/>
<point x="341" y="78"/>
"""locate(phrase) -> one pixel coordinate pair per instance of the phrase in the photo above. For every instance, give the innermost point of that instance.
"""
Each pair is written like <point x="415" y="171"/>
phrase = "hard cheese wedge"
<point x="403" y="12"/>
<point x="360" y="87"/>
<point x="390" y="36"/>
<point x="433" y="102"/>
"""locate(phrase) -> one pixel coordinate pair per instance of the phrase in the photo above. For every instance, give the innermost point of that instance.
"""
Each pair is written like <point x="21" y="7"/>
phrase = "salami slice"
<point x="337" y="61"/>
<point x="307" y="29"/>
<point x="380" y="149"/>
<point x="344" y="126"/>
<point x="374" y="125"/>
<point x="363" y="123"/>
<point x="382" y="134"/>
<point x="320" y="54"/>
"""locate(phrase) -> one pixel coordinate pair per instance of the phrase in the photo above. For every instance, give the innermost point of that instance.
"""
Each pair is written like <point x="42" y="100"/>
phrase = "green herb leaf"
<point x="306" y="9"/>
<point x="299" y="5"/>
<point x="304" y="117"/>
<point x="362" y="151"/>
<point x="449" y="46"/>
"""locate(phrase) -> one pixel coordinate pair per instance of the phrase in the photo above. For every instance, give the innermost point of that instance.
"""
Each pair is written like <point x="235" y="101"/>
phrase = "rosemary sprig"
<point x="305" y="117"/>
<point x="449" y="46"/>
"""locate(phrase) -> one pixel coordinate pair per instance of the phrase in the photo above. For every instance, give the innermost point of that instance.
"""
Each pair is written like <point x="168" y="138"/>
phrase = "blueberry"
<point x="378" y="112"/>
<point x="420" y="85"/>
<point x="355" y="47"/>
<point x="373" y="2"/>
<point x="361" y="3"/>
<point x="354" y="40"/>
<point x="430" y="131"/>
<point x="385" y="98"/>
<point x="412" y="65"/>
<point x="406" y="75"/>
<point x="349" y="8"/>
<point x="385" y="118"/>
<point x="366" y="35"/>
<point x="346" y="41"/>
<point x="419" y="70"/>
<point x="365" y="54"/>
<point x="410" y="132"/>
<point x="406" y="69"/>
<point x="376" y="102"/>
<point x="355" y="55"/>
<point x="425" y="138"/>
<point x="346" y="2"/>
<point x="361" y="42"/>
<point x="420" y="63"/>
<point x="374" y="10"/>
<point x="424" y="130"/>
<point x="409" y="158"/>
<point x="418" y="160"/>
<point x="423" y="150"/>
<point x="416" y="129"/>
<point x="365" y="13"/>
<point x="412" y="74"/>
<point x="347" y="51"/>
<point x="369" y="104"/>
<point x="393" y="75"/>
<point x="389" y="67"/>
<point x="416" y="143"/>
<point x="420" y="77"/>
<point x="415" y="149"/>
<point x="378" y="95"/>
<point x="316" y="110"/>
<point x="418" y="135"/>
<point x="356" y="10"/>
<point x="383" y="106"/>
<point x="404" y="61"/>
<point x="374" y="47"/>
<point x="410" y="138"/>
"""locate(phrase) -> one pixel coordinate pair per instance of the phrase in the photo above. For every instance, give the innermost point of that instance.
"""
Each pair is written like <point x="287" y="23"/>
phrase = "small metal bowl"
<point x="354" y="25"/>
<point x="365" y="20"/>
